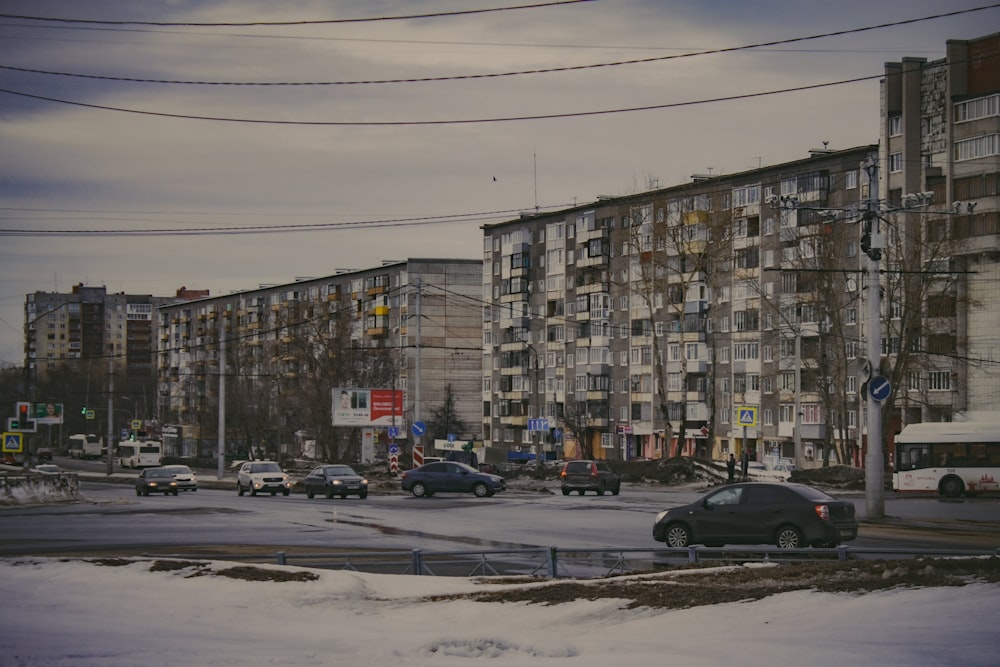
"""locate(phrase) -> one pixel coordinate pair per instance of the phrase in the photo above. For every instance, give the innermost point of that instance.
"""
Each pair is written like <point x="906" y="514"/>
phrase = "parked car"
<point x="186" y="478"/>
<point x="155" y="480"/>
<point x="450" y="476"/>
<point x="787" y="515"/>
<point x="335" y="480"/>
<point x="44" y="454"/>
<point x="583" y="476"/>
<point x="757" y="470"/>
<point x="262" y="476"/>
<point x="48" y="468"/>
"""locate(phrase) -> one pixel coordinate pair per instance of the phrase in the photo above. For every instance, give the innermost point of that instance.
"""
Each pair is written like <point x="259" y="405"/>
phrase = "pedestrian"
<point x="731" y="466"/>
<point x="745" y="462"/>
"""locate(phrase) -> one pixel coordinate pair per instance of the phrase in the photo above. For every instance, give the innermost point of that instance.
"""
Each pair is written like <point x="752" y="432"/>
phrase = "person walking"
<point x="745" y="462"/>
<point x="731" y="467"/>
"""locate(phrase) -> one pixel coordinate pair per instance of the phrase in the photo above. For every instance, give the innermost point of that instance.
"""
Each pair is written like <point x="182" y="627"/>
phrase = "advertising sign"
<point x="48" y="413"/>
<point x="367" y="407"/>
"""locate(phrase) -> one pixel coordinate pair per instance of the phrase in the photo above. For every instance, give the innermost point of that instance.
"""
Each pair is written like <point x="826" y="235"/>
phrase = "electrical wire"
<point x="547" y="70"/>
<point x="402" y="17"/>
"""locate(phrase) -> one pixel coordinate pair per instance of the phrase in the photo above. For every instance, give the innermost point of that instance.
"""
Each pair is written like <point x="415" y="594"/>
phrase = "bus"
<point x="87" y="446"/>
<point x="950" y="458"/>
<point x="140" y="454"/>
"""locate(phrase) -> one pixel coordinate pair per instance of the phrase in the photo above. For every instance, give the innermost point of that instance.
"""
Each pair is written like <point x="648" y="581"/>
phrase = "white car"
<point x="262" y="476"/>
<point x="761" y="471"/>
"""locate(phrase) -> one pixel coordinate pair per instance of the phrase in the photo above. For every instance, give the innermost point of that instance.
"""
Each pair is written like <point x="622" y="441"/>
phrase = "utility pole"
<point x="874" y="460"/>
<point x="222" y="397"/>
<point x="111" y="404"/>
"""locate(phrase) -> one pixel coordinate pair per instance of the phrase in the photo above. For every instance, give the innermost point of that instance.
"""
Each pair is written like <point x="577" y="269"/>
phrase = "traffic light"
<point x="22" y="412"/>
<point x="866" y="241"/>
<point x="83" y="410"/>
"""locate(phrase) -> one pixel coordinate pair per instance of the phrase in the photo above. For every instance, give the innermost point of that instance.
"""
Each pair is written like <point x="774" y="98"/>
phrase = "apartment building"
<point x="940" y="135"/>
<point x="703" y="318"/>
<point x="411" y="325"/>
<point x="90" y="324"/>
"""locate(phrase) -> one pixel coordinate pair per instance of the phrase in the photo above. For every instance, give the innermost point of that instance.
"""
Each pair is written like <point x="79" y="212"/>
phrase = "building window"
<point x="971" y="149"/>
<point x="979" y="108"/>
<point x="895" y="126"/>
<point x="896" y="162"/>
<point x="939" y="381"/>
<point x="851" y="180"/>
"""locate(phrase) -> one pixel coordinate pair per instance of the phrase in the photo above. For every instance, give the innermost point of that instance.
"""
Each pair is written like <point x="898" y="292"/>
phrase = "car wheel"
<point x="145" y="492"/>
<point x="788" y="537"/>
<point x="363" y="495"/>
<point x="565" y="492"/>
<point x="239" y="488"/>
<point x="480" y="489"/>
<point x="286" y="492"/>
<point x="419" y="490"/>
<point x="175" y="492"/>
<point x="138" y="492"/>
<point x="253" y="490"/>
<point x="678" y="536"/>
<point x="616" y="490"/>
<point x="952" y="487"/>
<point x="600" y="489"/>
<point x="310" y="494"/>
<point x="329" y="494"/>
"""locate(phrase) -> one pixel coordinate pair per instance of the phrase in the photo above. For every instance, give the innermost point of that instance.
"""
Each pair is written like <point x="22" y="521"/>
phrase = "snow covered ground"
<point x="76" y="613"/>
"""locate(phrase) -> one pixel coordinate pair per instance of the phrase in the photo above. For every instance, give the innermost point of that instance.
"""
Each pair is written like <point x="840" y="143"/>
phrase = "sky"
<point x="422" y="130"/>
<point x="72" y="613"/>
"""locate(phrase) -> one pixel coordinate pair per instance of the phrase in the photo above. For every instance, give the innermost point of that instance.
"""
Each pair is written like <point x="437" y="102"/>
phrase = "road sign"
<point x="393" y="432"/>
<point x="557" y="434"/>
<point x="540" y="424"/>
<point x="419" y="428"/>
<point x="91" y="414"/>
<point x="879" y="388"/>
<point x="746" y="416"/>
<point x="394" y="449"/>
<point x="13" y="442"/>
<point x="136" y="424"/>
<point x="451" y="437"/>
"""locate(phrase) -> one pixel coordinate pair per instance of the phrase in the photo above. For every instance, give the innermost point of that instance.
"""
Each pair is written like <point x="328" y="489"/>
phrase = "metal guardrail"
<point x="555" y="563"/>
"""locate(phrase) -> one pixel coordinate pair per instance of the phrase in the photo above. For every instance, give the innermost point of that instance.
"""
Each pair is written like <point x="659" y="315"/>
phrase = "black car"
<point x="335" y="480"/>
<point x="583" y="476"/>
<point x="787" y="515"/>
<point x="450" y="476"/>
<point x="155" y="480"/>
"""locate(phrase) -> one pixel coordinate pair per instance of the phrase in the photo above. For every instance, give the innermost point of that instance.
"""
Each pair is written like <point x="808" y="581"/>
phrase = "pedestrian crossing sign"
<point x="746" y="416"/>
<point x="12" y="442"/>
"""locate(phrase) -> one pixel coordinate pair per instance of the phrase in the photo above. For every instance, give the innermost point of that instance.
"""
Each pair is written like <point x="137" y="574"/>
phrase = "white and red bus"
<point x="950" y="458"/>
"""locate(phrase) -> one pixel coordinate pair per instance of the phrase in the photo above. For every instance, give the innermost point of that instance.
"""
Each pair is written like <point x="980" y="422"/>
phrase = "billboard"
<point x="367" y="407"/>
<point x="47" y="413"/>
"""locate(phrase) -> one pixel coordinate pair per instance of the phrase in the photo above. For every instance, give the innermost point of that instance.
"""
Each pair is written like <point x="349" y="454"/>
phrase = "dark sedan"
<point x="450" y="476"/>
<point x="335" y="480"/>
<point x="155" y="480"/>
<point x="787" y="515"/>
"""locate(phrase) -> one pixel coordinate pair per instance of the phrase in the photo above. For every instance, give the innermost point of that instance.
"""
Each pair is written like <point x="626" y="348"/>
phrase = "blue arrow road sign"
<point x="879" y="388"/>
<point x="419" y="428"/>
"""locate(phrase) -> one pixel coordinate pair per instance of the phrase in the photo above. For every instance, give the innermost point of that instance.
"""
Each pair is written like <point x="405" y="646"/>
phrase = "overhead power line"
<point x="453" y="121"/>
<point x="495" y="75"/>
<point x="190" y="24"/>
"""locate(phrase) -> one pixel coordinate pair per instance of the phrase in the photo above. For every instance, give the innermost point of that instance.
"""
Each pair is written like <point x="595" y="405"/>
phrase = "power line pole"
<point x="872" y="238"/>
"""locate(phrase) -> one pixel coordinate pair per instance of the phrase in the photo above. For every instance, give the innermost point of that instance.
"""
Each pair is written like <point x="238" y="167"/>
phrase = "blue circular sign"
<point x="419" y="428"/>
<point x="394" y="449"/>
<point x="879" y="388"/>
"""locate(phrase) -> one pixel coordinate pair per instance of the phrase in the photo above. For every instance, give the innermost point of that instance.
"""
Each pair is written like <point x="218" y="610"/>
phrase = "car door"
<point x="434" y="476"/>
<point x="456" y="478"/>
<point x="762" y="509"/>
<point x="716" y="519"/>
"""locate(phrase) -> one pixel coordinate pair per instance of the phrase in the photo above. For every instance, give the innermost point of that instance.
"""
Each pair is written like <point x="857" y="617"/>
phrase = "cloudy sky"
<point x="123" y="117"/>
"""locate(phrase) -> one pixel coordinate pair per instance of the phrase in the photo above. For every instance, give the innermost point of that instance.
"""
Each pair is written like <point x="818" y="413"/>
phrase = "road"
<point x="113" y="518"/>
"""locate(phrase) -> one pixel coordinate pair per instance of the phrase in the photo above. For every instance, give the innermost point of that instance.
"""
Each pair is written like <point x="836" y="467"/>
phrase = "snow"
<point x="62" y="613"/>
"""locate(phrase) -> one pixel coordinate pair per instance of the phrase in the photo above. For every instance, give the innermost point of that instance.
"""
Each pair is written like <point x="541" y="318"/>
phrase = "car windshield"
<point x="265" y="467"/>
<point x="179" y="470"/>
<point x="158" y="473"/>
<point x="339" y="471"/>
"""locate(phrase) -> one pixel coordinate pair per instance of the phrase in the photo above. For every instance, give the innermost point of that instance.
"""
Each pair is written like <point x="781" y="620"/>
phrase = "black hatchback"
<point x="787" y="515"/>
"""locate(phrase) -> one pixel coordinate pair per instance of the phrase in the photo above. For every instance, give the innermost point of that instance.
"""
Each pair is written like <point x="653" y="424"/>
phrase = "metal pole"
<point x="222" y="398"/>
<point x="874" y="461"/>
<point x="111" y="404"/>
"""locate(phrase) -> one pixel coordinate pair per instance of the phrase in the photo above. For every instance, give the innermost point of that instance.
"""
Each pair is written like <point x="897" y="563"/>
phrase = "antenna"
<point x="534" y="161"/>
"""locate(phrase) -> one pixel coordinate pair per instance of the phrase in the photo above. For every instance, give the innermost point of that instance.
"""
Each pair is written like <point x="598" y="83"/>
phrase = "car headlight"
<point x="336" y="482"/>
<point x="659" y="517"/>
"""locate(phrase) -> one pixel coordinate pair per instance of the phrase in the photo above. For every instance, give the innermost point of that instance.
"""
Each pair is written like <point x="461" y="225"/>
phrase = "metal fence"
<point x="555" y="562"/>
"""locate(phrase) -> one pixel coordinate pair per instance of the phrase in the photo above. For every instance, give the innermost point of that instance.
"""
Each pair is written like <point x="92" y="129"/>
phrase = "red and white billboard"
<point x="367" y="407"/>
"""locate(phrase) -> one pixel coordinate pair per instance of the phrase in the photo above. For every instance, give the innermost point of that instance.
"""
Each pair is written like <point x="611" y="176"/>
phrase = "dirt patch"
<point x="681" y="589"/>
